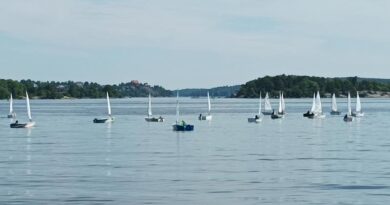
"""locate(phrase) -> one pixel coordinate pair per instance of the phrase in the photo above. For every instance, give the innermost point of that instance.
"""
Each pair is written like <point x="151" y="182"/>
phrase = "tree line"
<point x="71" y="89"/>
<point x="304" y="86"/>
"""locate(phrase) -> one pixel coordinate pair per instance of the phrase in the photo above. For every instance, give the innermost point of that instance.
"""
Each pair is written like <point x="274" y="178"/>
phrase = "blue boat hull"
<point x="183" y="127"/>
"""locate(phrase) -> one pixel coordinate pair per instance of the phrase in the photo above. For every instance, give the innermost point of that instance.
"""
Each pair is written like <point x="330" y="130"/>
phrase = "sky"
<point x="192" y="43"/>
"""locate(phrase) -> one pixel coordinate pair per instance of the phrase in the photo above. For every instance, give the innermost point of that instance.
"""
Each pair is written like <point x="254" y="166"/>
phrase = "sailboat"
<point x="267" y="105"/>
<point x="180" y="125"/>
<point x="358" y="112"/>
<point x="310" y="112"/>
<point x="30" y="123"/>
<point x="317" y="112"/>
<point x="334" y="106"/>
<point x="281" y="112"/>
<point x="11" y="114"/>
<point x="208" y="116"/>
<point x="258" y="116"/>
<point x="348" y="116"/>
<point x="150" y="117"/>
<point x="110" y="118"/>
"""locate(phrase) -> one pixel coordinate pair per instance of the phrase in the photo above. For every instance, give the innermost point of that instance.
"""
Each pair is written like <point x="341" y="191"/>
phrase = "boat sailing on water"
<point x="258" y="117"/>
<point x="208" y="116"/>
<point x="348" y="116"/>
<point x="180" y="125"/>
<point x="310" y="112"/>
<point x="334" y="110"/>
<point x="110" y="118"/>
<point x="317" y="111"/>
<point x="281" y="111"/>
<point x="30" y="122"/>
<point x="267" y="105"/>
<point x="11" y="114"/>
<point x="150" y="117"/>
<point x="358" y="112"/>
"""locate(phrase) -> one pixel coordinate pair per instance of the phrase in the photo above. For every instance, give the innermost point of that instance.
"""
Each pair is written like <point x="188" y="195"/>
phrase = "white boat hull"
<point x="360" y="114"/>
<point x="30" y="124"/>
<point x="11" y="115"/>
<point x="205" y="117"/>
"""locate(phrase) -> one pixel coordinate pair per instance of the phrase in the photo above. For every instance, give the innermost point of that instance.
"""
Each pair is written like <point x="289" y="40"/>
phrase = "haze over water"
<point x="68" y="159"/>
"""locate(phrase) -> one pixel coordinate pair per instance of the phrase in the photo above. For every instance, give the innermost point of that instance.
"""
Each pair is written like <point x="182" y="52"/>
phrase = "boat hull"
<point x="205" y="117"/>
<point x="267" y="112"/>
<point x="105" y="120"/>
<point x="335" y="112"/>
<point x="347" y="118"/>
<point x="22" y="125"/>
<point x="358" y="114"/>
<point x="183" y="128"/>
<point x="308" y="114"/>
<point x="276" y="116"/>
<point x="11" y="115"/>
<point x="154" y="119"/>
<point x="254" y="119"/>
<point x="318" y="116"/>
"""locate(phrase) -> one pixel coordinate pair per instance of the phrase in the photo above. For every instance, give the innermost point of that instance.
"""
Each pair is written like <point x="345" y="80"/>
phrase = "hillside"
<point x="223" y="91"/>
<point x="305" y="86"/>
<point x="70" y="89"/>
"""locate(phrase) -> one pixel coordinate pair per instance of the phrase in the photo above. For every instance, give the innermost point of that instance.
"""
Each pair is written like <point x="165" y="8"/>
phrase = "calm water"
<point x="66" y="159"/>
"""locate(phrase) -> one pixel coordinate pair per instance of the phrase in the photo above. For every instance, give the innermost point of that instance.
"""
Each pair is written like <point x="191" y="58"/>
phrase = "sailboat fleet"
<point x="315" y="111"/>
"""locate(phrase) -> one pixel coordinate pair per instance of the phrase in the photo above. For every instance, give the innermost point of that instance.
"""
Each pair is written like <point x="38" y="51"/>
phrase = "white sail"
<point x="283" y="104"/>
<point x="313" y="106"/>
<point x="334" y="103"/>
<point x="108" y="105"/>
<point x="358" y="104"/>
<point x="267" y="103"/>
<point x="208" y="101"/>
<point x="280" y="110"/>
<point x="28" y="107"/>
<point x="260" y="104"/>
<point x="11" y="109"/>
<point x="349" y="105"/>
<point x="318" y="107"/>
<point x="177" y="108"/>
<point x="150" y="106"/>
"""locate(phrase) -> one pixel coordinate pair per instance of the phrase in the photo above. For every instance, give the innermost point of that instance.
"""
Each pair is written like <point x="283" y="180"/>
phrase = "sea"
<point x="67" y="159"/>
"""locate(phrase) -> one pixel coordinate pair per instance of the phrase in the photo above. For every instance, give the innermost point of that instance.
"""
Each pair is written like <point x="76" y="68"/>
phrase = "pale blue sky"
<point x="198" y="43"/>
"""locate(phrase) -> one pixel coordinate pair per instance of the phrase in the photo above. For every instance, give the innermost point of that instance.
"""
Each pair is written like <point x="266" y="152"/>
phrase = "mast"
<point x="349" y="105"/>
<point x="11" y="109"/>
<point x="260" y="103"/>
<point x="150" y="106"/>
<point x="283" y="104"/>
<point x="28" y="107"/>
<point x="280" y="110"/>
<point x="177" y="107"/>
<point x="108" y="105"/>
